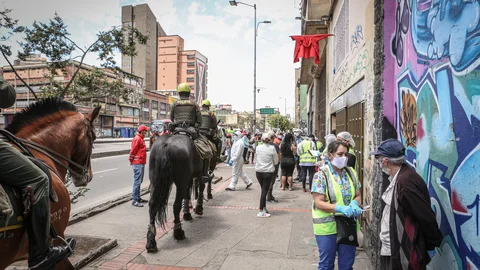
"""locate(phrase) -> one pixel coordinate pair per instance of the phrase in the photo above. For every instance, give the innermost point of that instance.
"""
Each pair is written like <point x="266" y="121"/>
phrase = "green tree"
<point x="53" y="40"/>
<point x="280" y="121"/>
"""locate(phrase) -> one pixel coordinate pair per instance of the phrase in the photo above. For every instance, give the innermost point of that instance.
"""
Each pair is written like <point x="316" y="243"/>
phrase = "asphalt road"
<point x="110" y="147"/>
<point x="112" y="176"/>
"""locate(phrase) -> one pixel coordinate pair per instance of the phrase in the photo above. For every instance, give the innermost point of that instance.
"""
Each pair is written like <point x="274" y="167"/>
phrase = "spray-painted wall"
<point x="432" y="98"/>
<point x="303" y="106"/>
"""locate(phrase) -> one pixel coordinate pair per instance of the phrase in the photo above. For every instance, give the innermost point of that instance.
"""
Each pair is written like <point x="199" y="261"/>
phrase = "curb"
<point x="117" y="140"/>
<point x="95" y="210"/>
<point x="95" y="254"/>
<point x="112" y="153"/>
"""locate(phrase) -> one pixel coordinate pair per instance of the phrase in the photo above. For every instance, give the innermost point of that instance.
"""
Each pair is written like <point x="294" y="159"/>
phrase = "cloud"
<point x="224" y="34"/>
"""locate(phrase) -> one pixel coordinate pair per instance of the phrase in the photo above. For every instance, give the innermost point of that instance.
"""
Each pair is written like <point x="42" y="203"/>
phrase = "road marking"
<point x="109" y="170"/>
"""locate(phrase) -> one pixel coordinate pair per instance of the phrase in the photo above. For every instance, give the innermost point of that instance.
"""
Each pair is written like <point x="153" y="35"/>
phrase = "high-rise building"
<point x="176" y="65"/>
<point x="144" y="64"/>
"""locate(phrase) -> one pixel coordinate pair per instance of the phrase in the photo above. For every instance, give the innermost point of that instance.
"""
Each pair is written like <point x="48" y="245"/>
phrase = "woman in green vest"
<point x="335" y="191"/>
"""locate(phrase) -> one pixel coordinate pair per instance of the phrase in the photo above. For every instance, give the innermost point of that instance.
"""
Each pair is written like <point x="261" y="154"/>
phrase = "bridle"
<point x="57" y="157"/>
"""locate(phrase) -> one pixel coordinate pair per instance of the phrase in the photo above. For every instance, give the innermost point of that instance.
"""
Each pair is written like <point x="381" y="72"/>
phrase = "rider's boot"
<point x="37" y="222"/>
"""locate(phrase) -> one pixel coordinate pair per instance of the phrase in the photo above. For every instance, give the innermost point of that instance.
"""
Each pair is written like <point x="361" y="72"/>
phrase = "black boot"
<point x="37" y="223"/>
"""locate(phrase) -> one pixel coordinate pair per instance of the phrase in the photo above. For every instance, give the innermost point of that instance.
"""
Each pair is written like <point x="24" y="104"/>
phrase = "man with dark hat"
<point x="409" y="227"/>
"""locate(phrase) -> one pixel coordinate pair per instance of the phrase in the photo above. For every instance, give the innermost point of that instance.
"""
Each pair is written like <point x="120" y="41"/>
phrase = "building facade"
<point x="177" y="65"/>
<point x="117" y="118"/>
<point x="144" y="64"/>
<point x="391" y="73"/>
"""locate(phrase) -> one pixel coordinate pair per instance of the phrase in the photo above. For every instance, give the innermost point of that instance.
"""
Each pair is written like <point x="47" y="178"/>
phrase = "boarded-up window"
<point x="341" y="35"/>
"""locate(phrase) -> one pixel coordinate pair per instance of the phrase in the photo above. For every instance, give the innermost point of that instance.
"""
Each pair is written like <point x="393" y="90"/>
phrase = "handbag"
<point x="346" y="231"/>
<point x="346" y="227"/>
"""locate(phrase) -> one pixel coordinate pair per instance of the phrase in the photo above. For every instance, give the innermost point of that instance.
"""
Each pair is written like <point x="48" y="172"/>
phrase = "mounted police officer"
<point x="186" y="116"/>
<point x="19" y="172"/>
<point x="209" y="127"/>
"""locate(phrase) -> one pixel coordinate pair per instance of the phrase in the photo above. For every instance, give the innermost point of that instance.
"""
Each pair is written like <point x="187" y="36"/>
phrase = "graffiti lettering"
<point x="402" y="24"/>
<point x="447" y="29"/>
<point x="357" y="36"/>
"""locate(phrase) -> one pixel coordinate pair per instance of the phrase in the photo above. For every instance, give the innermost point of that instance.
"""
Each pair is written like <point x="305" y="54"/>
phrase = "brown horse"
<point x="55" y="132"/>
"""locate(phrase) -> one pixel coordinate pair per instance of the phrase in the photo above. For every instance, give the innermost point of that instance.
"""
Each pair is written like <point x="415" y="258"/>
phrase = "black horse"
<point x="173" y="159"/>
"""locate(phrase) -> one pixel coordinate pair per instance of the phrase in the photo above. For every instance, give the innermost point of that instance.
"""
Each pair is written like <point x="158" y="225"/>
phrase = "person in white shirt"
<point x="267" y="159"/>
<point x="237" y="164"/>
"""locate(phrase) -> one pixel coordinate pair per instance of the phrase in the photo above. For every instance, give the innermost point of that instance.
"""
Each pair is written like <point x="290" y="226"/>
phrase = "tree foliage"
<point x="280" y="121"/>
<point x="53" y="40"/>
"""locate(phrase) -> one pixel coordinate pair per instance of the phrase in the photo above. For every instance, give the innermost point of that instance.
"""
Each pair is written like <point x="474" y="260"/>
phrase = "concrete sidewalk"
<point x="227" y="236"/>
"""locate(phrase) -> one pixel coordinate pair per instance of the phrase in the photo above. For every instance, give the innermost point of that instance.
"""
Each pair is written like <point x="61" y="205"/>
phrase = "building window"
<point x="190" y="71"/>
<point x="146" y="104"/>
<point x="154" y="105"/>
<point x="341" y="36"/>
<point x="190" y="79"/>
<point x="191" y="64"/>
<point x="191" y="56"/>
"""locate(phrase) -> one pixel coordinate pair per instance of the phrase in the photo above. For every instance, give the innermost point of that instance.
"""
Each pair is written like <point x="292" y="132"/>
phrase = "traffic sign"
<point x="267" y="111"/>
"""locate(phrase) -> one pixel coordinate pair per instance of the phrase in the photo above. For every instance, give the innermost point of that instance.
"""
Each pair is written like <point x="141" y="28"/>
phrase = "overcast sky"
<point x="219" y="31"/>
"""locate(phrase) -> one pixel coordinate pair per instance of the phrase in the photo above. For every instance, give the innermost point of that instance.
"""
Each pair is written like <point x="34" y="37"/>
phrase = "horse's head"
<point x="81" y="169"/>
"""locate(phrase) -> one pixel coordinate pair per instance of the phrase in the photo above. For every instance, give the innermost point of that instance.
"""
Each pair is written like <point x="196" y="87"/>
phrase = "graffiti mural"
<point x="432" y="94"/>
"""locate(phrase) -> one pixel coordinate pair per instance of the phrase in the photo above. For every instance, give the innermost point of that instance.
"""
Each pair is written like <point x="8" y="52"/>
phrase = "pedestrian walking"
<point x="307" y="161"/>
<point x="237" y="164"/>
<point x="228" y="148"/>
<point x="270" y="197"/>
<point x="409" y="226"/>
<point x="335" y="191"/>
<point x="245" y="146"/>
<point x="287" y="151"/>
<point x="267" y="159"/>
<point x="138" y="159"/>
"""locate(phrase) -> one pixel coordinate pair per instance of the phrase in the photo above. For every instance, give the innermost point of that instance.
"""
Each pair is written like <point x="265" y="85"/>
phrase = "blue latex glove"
<point x="345" y="210"/>
<point x="357" y="211"/>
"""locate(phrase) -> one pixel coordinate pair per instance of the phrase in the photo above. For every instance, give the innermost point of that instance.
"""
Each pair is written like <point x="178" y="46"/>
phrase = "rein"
<point x="55" y="156"/>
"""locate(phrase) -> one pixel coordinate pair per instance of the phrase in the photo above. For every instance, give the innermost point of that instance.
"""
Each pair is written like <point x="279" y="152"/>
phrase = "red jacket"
<point x="138" y="153"/>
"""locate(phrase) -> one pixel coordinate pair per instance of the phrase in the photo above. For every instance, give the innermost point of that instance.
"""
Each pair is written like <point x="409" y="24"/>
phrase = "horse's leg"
<point x="65" y="264"/>
<point x="186" y="204"/>
<point x="178" y="232"/>
<point x="199" y="206"/>
<point x="152" y="231"/>
<point x="196" y="181"/>
<point x="213" y="164"/>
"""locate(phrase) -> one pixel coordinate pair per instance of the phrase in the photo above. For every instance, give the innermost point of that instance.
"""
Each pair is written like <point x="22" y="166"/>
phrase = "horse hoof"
<point x="151" y="246"/>
<point x="199" y="210"/>
<point x="187" y="216"/>
<point x="209" y="196"/>
<point x="179" y="234"/>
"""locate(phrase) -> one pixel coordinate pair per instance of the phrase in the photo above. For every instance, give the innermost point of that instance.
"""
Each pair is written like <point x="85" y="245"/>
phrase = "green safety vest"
<point x="319" y="145"/>
<point x="305" y="155"/>
<point x="323" y="222"/>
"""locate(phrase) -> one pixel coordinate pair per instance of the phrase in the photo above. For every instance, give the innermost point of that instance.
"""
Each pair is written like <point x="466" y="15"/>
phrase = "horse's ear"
<point x="94" y="114"/>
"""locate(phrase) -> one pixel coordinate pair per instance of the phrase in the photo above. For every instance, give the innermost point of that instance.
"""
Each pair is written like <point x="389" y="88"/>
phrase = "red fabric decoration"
<point x="307" y="46"/>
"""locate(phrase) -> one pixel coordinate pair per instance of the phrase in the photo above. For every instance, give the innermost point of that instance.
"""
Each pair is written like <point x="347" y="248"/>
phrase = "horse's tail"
<point x="162" y="180"/>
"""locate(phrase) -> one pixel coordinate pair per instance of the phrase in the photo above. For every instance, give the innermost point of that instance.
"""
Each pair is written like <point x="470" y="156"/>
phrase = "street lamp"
<point x="255" y="25"/>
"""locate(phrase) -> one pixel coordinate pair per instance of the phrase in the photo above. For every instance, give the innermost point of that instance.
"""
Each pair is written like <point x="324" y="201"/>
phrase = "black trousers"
<point x="264" y="178"/>
<point x="245" y="150"/>
<point x="274" y="177"/>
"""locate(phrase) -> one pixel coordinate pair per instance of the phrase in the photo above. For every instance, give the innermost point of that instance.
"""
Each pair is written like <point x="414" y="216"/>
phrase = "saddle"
<point x="204" y="146"/>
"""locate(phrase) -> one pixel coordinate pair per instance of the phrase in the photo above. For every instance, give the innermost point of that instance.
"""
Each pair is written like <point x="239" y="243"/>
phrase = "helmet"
<point x="183" y="88"/>
<point x="206" y="102"/>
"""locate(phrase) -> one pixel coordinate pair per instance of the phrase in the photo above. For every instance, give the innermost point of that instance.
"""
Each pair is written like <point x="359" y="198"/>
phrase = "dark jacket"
<point x="7" y="94"/>
<point x="419" y="230"/>
<point x="198" y="114"/>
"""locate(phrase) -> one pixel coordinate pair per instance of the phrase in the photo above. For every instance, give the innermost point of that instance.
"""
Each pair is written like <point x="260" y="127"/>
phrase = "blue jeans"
<point x="229" y="155"/>
<point x="327" y="247"/>
<point x="138" y="171"/>
<point x="311" y="172"/>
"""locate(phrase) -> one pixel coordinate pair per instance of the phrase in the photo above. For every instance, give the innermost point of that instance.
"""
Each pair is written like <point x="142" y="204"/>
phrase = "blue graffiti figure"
<point x="447" y="28"/>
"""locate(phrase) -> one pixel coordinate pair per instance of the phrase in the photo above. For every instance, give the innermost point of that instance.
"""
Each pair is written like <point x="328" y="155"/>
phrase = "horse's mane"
<point x="38" y="110"/>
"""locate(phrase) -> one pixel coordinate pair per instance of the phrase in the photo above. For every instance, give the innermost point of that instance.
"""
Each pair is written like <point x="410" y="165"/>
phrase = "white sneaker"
<point x="263" y="214"/>
<point x="266" y="210"/>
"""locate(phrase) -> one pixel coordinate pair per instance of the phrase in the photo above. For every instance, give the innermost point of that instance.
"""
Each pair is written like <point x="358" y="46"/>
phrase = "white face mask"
<point x="340" y="162"/>
<point x="385" y="169"/>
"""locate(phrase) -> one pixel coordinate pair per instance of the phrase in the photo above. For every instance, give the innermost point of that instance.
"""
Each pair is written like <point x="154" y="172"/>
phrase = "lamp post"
<point x="235" y="3"/>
